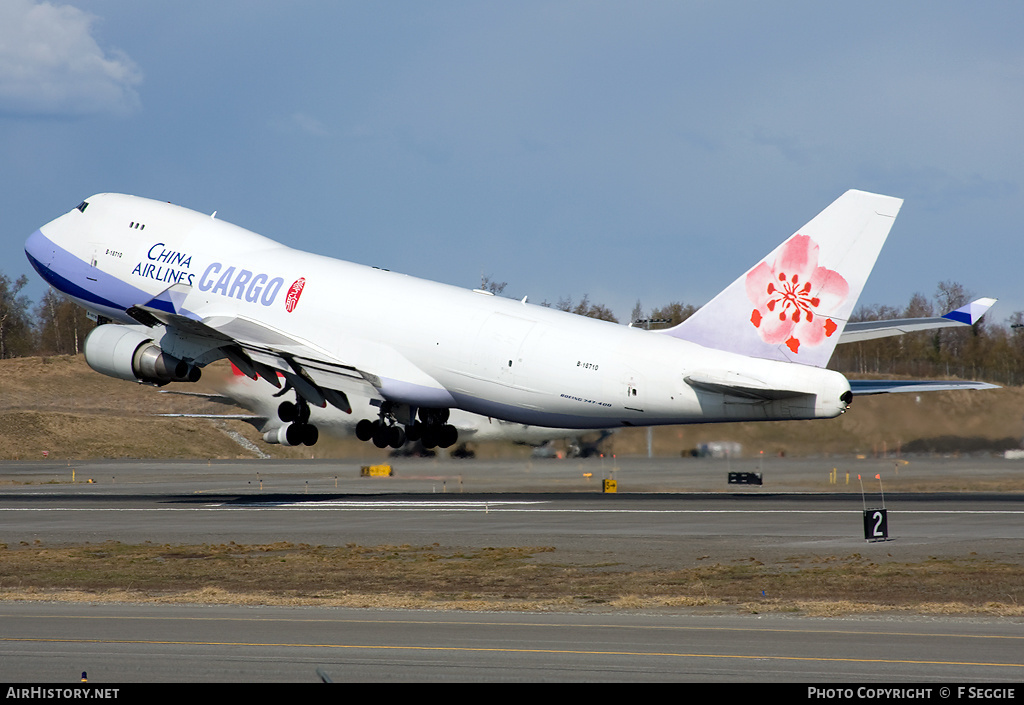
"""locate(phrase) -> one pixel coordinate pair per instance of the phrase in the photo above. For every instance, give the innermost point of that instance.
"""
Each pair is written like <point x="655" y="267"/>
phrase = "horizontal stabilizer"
<point x="869" y="330"/>
<point x="736" y="385"/>
<point x="891" y="386"/>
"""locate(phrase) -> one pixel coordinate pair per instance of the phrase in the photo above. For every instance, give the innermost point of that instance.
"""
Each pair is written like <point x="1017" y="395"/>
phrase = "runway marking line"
<point x="506" y="507"/>
<point x="568" y="652"/>
<point x="481" y="623"/>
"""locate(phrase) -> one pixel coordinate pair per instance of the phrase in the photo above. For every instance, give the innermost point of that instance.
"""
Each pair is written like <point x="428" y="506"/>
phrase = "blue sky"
<point x="625" y="150"/>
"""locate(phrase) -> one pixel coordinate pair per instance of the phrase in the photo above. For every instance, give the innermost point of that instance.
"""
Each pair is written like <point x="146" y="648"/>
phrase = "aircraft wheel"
<point x="448" y="436"/>
<point x="364" y="430"/>
<point x="287" y="411"/>
<point x="295" y="434"/>
<point x="380" y="436"/>
<point x="310" y="434"/>
<point x="428" y="437"/>
<point x="396" y="437"/>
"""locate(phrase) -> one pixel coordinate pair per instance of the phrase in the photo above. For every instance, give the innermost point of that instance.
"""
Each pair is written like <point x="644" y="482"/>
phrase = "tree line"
<point x="54" y="326"/>
<point x="987" y="351"/>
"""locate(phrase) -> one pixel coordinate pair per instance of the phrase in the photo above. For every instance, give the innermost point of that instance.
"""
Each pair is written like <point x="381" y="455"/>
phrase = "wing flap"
<point x="259" y="350"/>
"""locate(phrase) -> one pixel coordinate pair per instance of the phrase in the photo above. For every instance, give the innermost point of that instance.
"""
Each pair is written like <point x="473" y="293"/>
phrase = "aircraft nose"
<point x="39" y="250"/>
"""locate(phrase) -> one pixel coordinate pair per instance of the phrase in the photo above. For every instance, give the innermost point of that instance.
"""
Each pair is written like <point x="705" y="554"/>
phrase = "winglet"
<point x="971" y="313"/>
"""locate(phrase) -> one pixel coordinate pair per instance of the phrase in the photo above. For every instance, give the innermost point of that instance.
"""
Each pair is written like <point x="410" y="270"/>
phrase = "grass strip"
<point x="519" y="577"/>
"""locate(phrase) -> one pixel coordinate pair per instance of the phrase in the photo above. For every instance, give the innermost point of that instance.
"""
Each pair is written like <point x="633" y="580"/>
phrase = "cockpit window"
<point x="82" y="206"/>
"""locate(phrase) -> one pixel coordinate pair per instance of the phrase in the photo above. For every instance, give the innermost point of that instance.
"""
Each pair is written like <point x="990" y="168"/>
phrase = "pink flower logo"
<point x="794" y="296"/>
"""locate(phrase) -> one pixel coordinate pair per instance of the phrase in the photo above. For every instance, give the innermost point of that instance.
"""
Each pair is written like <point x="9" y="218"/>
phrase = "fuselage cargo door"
<point x="633" y="384"/>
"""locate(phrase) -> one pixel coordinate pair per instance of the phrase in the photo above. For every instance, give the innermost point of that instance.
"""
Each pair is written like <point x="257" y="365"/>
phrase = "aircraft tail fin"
<point x="794" y="303"/>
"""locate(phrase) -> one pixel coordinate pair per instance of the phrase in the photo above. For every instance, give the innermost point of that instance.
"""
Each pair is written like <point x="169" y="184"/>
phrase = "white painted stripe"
<point x="508" y="507"/>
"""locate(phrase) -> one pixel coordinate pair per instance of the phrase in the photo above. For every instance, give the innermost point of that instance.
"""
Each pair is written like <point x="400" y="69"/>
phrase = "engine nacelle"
<point x="277" y="435"/>
<point x="127" y="353"/>
<point x="293" y="434"/>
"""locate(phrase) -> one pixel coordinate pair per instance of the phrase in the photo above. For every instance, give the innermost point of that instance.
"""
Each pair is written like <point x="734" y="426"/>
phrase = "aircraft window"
<point x="82" y="206"/>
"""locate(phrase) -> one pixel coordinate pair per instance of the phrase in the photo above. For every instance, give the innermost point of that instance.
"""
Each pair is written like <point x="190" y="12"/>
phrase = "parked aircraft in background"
<point x="179" y="290"/>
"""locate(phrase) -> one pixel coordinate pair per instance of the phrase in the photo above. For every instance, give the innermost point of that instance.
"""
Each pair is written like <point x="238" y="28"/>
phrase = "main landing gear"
<point x="430" y="427"/>
<point x="299" y="430"/>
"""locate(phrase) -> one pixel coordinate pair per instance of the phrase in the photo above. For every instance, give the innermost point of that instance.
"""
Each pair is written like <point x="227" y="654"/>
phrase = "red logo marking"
<point x="292" y="299"/>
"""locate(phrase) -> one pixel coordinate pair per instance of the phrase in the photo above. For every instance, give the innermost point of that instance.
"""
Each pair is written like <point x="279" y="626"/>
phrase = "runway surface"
<point x="179" y="643"/>
<point x="666" y="513"/>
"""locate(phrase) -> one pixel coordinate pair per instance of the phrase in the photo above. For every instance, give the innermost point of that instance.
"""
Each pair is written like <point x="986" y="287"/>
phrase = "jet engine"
<point x="128" y="353"/>
<point x="293" y="434"/>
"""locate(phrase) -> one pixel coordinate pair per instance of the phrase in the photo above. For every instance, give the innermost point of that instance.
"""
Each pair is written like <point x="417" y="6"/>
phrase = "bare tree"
<point x="16" y="336"/>
<point x="673" y="313"/>
<point x="954" y="343"/>
<point x="585" y="308"/>
<point x="637" y="314"/>
<point x="61" y="325"/>
<point x="487" y="284"/>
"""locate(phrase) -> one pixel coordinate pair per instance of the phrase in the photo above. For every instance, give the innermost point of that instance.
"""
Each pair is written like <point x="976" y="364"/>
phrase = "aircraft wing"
<point x="208" y="396"/>
<point x="890" y="386"/>
<point x="869" y="330"/>
<point x="258" y="422"/>
<point x="259" y="350"/>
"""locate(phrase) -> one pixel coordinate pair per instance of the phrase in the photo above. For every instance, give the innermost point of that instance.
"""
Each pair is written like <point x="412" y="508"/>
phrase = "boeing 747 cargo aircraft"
<point x="176" y="290"/>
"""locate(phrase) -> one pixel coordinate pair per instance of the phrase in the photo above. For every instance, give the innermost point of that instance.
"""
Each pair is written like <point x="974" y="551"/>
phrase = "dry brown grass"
<point x="516" y="578"/>
<point x="59" y="405"/>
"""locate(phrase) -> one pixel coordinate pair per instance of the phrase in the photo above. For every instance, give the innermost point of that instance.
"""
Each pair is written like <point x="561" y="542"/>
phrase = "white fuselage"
<point x="430" y="344"/>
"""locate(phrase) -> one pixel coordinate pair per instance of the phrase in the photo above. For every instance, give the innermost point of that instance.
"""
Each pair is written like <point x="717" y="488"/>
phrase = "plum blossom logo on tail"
<point x="793" y="297"/>
<point x="294" y="292"/>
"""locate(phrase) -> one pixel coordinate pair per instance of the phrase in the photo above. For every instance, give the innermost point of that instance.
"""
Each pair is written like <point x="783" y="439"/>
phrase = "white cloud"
<point x="50" y="64"/>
